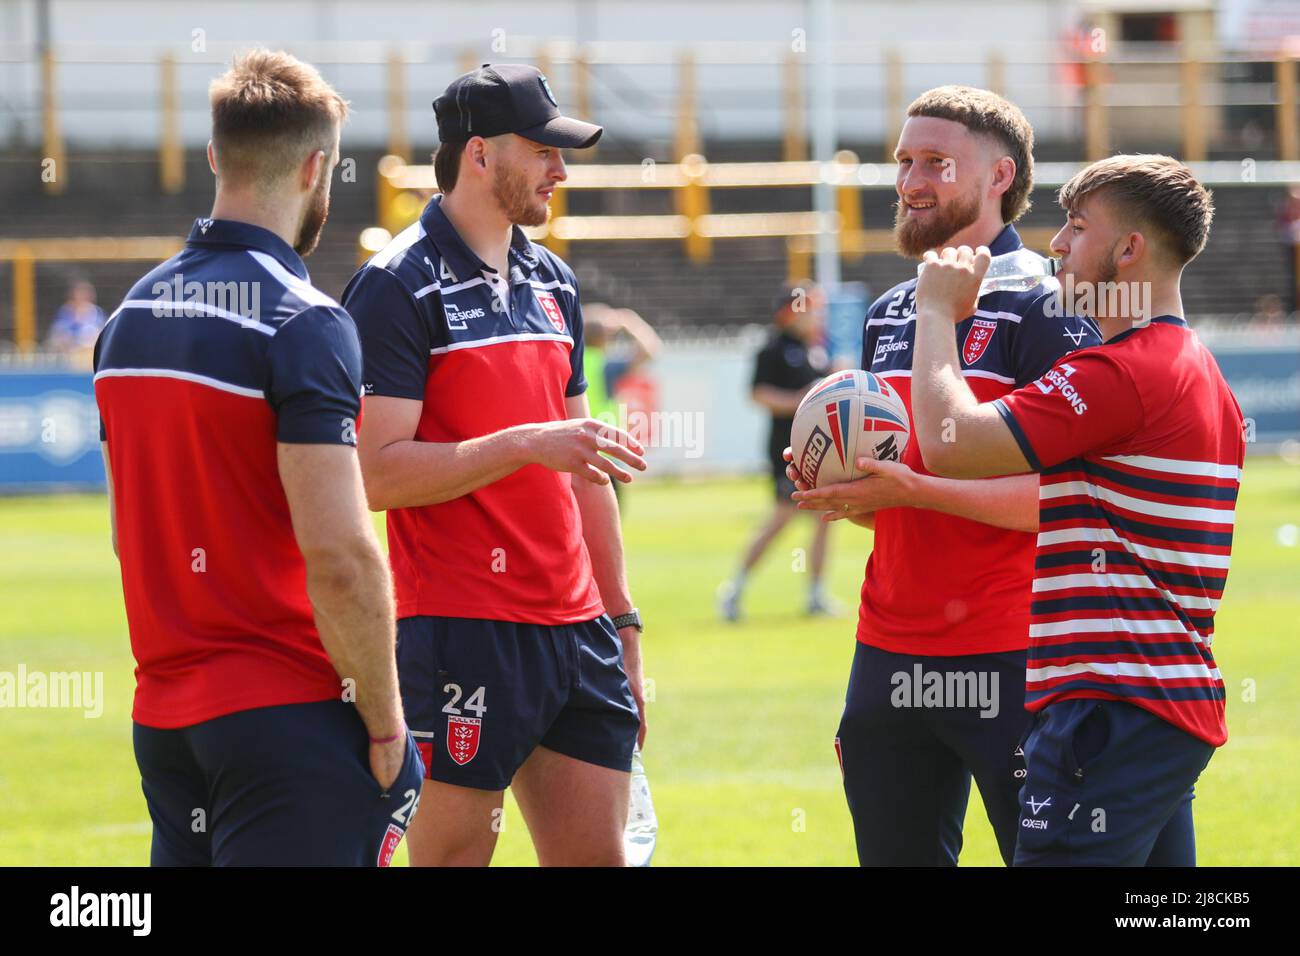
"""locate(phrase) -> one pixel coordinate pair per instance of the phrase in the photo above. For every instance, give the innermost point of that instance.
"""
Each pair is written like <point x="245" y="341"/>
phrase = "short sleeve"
<point x="577" y="377"/>
<point x="1045" y="335"/>
<point x="1083" y="404"/>
<point x="394" y="335"/>
<point x="315" y="378"/>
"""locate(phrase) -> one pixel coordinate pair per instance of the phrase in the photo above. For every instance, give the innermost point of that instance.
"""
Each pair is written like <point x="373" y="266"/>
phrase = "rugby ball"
<point x="847" y="416"/>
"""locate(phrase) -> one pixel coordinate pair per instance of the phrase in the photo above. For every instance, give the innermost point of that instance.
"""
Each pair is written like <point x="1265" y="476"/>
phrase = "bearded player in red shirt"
<point x="945" y="600"/>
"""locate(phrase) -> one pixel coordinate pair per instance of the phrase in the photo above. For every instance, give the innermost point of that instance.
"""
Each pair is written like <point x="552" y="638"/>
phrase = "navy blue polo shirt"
<point x="215" y="357"/>
<point x="482" y="352"/>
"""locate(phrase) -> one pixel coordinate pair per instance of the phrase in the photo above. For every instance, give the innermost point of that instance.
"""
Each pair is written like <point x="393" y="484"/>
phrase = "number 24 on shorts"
<point x="473" y="703"/>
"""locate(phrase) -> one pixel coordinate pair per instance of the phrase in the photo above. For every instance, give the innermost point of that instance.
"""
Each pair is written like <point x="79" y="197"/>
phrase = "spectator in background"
<point x="603" y="370"/>
<point x="77" y="323"/>
<point x="618" y="343"/>
<point x="1288" y="228"/>
<point x="791" y="362"/>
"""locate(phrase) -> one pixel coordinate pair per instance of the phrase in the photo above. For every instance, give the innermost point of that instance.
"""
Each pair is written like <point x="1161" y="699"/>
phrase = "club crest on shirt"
<point x="462" y="738"/>
<point x="977" y="340"/>
<point x="551" y="308"/>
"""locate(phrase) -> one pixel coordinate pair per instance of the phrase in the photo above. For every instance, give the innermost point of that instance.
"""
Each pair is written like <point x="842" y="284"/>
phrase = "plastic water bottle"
<point x="1017" y="271"/>
<point x="642" y="825"/>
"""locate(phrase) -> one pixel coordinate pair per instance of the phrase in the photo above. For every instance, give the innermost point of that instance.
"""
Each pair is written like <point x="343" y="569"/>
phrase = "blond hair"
<point x="269" y="112"/>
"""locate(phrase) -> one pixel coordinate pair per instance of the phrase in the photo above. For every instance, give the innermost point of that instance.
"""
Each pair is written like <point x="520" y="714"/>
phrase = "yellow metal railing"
<point x="404" y="189"/>
<point x="171" y="151"/>
<point x="24" y="254"/>
<point x="1104" y="85"/>
<point x="54" y="167"/>
<point x="1288" y="130"/>
<point x="1099" y="79"/>
<point x="399" y="142"/>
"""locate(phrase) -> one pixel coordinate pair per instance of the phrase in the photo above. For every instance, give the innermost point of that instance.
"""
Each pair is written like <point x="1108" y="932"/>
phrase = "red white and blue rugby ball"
<point x="847" y="416"/>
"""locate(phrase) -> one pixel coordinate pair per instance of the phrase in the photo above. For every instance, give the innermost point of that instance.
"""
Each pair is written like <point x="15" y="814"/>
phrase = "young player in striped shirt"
<point x="1140" y="444"/>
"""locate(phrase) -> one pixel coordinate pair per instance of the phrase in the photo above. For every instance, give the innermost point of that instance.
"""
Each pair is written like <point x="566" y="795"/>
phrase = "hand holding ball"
<point x="848" y="415"/>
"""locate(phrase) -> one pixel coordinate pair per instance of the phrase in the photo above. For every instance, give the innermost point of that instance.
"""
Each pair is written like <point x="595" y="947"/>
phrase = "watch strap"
<point x="631" y="619"/>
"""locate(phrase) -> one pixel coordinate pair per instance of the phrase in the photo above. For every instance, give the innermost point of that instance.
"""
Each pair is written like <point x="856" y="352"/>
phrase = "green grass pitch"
<point x="739" y="754"/>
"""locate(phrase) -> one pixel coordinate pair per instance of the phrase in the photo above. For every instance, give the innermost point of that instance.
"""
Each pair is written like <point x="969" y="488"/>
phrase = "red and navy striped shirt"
<point x="1140" y="445"/>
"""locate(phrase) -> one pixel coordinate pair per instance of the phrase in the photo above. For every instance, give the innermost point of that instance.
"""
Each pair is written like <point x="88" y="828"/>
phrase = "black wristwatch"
<point x="631" y="619"/>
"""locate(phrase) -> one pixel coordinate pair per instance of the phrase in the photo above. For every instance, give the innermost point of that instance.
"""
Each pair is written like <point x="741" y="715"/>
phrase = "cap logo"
<point x="546" y="88"/>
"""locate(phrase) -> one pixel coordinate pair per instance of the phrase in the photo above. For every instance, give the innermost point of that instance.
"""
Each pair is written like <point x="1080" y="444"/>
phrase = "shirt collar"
<point x="1160" y="319"/>
<point x="1008" y="240"/>
<point x="231" y="234"/>
<point x="464" y="262"/>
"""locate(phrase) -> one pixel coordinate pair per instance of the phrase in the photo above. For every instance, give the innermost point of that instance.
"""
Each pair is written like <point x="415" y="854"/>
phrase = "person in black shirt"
<point x="791" y="362"/>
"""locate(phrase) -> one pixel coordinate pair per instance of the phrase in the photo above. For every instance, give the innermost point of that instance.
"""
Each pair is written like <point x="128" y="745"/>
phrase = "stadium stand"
<point x="656" y="277"/>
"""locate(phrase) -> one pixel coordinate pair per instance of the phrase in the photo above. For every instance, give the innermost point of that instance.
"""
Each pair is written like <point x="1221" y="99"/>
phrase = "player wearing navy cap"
<point x="259" y="604"/>
<point x="503" y="528"/>
<point x="1139" y="445"/>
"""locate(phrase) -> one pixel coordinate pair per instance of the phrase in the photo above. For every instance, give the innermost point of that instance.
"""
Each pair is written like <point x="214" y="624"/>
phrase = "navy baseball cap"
<point x="508" y="98"/>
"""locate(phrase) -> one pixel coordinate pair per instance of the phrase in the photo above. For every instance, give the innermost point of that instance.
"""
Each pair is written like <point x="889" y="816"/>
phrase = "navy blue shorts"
<point x="273" y="786"/>
<point x="908" y="752"/>
<point x="481" y="695"/>
<point x="1108" y="784"/>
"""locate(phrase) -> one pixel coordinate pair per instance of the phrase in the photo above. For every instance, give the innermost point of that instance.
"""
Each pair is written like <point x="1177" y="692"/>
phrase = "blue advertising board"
<point x="49" y="431"/>
<point x="49" y="425"/>
<point x="1266" y="381"/>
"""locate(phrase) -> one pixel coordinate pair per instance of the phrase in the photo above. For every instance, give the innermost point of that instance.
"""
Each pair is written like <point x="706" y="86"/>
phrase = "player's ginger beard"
<point x="914" y="236"/>
<point x="518" y="201"/>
